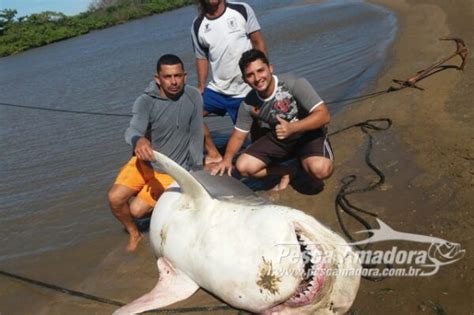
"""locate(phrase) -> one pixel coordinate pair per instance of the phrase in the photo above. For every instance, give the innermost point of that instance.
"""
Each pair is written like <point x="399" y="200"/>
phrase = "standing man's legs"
<point x="218" y="104"/>
<point x="213" y="155"/>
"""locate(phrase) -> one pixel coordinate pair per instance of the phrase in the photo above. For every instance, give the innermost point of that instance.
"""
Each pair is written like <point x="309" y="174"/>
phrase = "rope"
<point x="341" y="199"/>
<point x="342" y="204"/>
<point x="366" y="96"/>
<point x="109" y="301"/>
<point x="61" y="289"/>
<point x="65" y="110"/>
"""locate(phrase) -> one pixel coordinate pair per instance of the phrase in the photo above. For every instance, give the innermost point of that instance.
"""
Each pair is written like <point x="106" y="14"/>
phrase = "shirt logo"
<point x="232" y="23"/>
<point x="283" y="105"/>
<point x="207" y="28"/>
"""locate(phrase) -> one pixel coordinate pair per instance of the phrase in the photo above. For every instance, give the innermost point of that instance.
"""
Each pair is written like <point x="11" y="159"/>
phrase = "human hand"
<point x="222" y="167"/>
<point x="283" y="129"/>
<point x="144" y="150"/>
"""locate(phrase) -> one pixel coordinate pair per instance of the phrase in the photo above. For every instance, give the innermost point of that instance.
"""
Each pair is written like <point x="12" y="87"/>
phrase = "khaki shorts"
<point x="139" y="176"/>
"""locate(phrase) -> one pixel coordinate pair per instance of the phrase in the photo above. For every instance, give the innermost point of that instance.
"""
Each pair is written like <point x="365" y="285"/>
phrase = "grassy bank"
<point x="20" y="34"/>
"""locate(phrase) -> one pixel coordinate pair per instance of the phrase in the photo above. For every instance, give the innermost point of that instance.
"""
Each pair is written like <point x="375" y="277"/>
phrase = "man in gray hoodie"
<point x="173" y="112"/>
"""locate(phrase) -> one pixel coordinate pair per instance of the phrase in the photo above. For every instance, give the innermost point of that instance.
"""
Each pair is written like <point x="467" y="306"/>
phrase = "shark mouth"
<point x="313" y="272"/>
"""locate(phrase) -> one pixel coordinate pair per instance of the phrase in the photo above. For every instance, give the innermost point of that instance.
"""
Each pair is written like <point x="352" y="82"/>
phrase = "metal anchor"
<point x="461" y="50"/>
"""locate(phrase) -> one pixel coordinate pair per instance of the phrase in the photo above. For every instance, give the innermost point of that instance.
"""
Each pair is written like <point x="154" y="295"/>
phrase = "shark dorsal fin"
<point x="188" y="184"/>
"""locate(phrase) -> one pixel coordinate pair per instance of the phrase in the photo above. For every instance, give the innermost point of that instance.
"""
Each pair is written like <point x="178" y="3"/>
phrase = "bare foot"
<point x="284" y="182"/>
<point x="133" y="241"/>
<point x="212" y="159"/>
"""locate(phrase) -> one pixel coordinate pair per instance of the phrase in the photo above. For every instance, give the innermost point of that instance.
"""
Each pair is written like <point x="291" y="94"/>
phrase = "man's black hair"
<point x="203" y="7"/>
<point x="168" y="60"/>
<point x="250" y="56"/>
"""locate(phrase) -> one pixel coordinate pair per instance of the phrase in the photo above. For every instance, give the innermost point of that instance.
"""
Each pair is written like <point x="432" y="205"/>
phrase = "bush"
<point x="48" y="27"/>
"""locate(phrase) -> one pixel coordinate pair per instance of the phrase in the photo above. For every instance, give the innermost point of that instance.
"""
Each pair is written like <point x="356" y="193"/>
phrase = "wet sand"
<point x="427" y="157"/>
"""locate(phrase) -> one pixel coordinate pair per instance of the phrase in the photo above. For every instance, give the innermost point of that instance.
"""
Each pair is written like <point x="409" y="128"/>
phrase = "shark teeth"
<point x="313" y="271"/>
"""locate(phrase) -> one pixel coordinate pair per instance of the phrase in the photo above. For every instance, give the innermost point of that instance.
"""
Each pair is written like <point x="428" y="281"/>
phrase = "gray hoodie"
<point x="176" y="125"/>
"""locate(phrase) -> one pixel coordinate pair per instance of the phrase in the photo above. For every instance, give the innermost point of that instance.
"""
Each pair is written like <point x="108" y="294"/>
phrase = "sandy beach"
<point x="427" y="157"/>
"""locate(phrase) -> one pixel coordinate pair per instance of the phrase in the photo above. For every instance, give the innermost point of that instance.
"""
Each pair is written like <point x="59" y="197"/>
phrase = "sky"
<point x="27" y="7"/>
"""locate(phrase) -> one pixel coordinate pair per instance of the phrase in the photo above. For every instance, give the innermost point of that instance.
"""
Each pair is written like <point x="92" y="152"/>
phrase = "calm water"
<point x="56" y="167"/>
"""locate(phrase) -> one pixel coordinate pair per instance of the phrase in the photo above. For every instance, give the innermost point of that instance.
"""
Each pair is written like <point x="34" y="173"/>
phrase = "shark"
<point x="213" y="233"/>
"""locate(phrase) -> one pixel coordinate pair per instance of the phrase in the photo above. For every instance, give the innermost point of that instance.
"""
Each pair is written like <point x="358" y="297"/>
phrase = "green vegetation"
<point x="47" y="27"/>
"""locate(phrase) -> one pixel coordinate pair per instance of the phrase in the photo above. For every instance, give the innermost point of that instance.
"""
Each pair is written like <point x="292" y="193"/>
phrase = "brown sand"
<point x="427" y="157"/>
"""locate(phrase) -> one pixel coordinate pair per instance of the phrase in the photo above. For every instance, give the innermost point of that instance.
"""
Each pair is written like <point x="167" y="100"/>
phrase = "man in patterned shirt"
<point x="294" y="116"/>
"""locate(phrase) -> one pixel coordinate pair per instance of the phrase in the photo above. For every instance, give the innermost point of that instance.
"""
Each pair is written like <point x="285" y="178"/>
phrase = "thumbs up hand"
<point x="283" y="129"/>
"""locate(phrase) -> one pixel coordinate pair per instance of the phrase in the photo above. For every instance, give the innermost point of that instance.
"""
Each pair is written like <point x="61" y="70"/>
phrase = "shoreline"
<point x="426" y="157"/>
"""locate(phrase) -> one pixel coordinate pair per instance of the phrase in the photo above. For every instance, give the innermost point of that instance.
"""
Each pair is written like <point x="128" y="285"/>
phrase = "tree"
<point x="103" y="4"/>
<point x="8" y="15"/>
<point x="45" y="17"/>
<point x="6" y="18"/>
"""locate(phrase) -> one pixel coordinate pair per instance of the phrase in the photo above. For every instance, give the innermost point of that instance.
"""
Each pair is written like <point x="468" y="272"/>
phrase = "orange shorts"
<point x="138" y="176"/>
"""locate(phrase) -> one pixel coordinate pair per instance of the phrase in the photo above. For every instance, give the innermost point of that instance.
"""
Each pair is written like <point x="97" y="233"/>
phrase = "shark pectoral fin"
<point x="188" y="184"/>
<point x="173" y="286"/>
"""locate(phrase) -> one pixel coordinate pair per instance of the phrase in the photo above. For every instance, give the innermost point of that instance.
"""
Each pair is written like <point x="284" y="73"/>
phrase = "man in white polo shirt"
<point x="295" y="118"/>
<point x="221" y="33"/>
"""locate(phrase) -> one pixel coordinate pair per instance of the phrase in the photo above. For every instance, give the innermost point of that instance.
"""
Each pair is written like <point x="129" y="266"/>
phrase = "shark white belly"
<point x="253" y="255"/>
